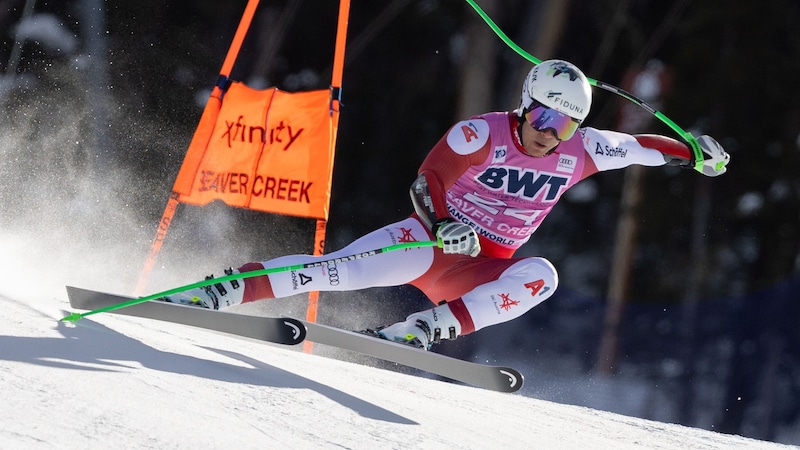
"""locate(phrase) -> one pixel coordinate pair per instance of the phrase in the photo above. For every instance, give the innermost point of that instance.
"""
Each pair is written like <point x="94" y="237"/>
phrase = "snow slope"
<point x="121" y="382"/>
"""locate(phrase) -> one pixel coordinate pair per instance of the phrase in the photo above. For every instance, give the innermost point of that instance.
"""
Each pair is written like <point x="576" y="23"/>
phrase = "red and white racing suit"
<point x="479" y="174"/>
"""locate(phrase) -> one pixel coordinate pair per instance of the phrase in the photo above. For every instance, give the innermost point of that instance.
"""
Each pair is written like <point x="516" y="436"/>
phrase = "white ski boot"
<point x="214" y="296"/>
<point x="423" y="328"/>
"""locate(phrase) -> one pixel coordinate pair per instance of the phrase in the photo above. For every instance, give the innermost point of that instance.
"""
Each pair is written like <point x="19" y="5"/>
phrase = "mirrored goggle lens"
<point x="543" y="118"/>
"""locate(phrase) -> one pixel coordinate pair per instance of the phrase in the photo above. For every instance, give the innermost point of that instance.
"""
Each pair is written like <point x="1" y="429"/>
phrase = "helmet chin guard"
<point x="558" y="85"/>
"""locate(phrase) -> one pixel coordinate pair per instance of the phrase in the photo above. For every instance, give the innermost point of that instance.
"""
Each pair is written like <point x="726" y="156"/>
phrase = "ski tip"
<point x="74" y="317"/>
<point x="297" y="329"/>
<point x="513" y="379"/>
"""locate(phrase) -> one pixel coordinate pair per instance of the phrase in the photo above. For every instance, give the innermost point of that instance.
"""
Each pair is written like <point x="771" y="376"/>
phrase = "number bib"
<point x="506" y="197"/>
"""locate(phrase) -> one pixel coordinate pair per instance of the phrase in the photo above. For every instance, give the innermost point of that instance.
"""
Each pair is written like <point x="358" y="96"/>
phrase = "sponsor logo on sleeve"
<point x="468" y="136"/>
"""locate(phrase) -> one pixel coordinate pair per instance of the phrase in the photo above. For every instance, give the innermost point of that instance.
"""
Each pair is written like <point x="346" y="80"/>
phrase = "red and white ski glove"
<point x="457" y="238"/>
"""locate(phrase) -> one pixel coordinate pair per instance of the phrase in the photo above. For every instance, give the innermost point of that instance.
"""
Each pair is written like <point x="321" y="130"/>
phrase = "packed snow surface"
<point x="111" y="381"/>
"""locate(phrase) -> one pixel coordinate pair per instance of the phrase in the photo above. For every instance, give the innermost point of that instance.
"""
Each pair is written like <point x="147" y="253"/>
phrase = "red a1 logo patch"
<point x="535" y="287"/>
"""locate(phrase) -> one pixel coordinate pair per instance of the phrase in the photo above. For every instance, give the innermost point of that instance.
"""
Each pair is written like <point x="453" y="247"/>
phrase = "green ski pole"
<point x="74" y="317"/>
<point x="691" y="140"/>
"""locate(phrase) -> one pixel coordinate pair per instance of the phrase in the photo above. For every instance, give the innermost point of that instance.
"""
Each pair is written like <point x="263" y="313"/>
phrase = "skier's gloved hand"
<point x="716" y="158"/>
<point x="457" y="238"/>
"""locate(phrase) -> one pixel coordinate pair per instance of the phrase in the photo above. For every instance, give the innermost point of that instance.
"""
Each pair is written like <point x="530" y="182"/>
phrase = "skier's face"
<point x="543" y="118"/>
<point x="537" y="143"/>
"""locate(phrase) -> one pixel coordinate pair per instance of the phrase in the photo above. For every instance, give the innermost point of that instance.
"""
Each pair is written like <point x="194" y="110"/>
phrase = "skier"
<point x="481" y="192"/>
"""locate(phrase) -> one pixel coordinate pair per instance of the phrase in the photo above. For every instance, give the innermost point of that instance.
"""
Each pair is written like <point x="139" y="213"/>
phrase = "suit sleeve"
<point x="609" y="150"/>
<point x="465" y="144"/>
<point x="674" y="151"/>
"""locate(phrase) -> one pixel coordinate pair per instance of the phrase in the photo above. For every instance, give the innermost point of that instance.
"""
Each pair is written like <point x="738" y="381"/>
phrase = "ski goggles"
<point x="543" y="118"/>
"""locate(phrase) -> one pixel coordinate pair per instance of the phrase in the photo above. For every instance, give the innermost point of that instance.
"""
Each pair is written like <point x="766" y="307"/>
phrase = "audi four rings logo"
<point x="333" y="273"/>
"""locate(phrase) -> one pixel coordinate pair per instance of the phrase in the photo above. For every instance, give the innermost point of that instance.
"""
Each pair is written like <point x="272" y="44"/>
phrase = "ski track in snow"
<point x="122" y="382"/>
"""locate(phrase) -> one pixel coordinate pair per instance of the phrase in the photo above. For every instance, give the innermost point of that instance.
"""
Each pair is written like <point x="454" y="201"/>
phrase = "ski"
<point x="290" y="331"/>
<point x="285" y="331"/>
<point x="496" y="378"/>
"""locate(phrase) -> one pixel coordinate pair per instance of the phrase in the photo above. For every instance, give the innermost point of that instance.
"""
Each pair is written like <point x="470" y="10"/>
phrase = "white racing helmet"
<point x="562" y="87"/>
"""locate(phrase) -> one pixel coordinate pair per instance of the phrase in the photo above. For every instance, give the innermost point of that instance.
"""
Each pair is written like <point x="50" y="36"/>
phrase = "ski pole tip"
<point x="74" y="317"/>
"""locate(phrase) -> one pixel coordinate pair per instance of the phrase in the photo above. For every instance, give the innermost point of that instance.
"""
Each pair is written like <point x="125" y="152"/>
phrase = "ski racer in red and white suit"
<point x="482" y="191"/>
